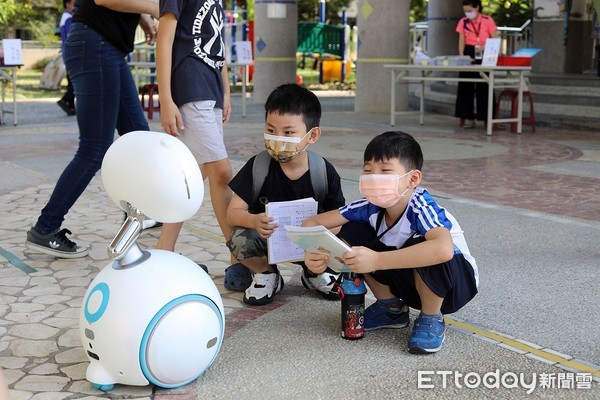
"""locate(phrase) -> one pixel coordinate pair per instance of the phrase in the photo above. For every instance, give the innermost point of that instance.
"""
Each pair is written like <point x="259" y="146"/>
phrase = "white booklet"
<point x="291" y="213"/>
<point x="320" y="240"/>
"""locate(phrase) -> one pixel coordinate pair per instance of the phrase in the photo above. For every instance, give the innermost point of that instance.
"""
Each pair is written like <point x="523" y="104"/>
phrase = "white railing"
<point x="513" y="38"/>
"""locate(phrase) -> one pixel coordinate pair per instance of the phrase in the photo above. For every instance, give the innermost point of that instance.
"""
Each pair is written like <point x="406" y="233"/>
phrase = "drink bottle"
<point x="353" y="291"/>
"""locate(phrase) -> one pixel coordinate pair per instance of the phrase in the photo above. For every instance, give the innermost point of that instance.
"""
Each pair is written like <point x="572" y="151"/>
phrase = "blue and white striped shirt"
<point x="422" y="214"/>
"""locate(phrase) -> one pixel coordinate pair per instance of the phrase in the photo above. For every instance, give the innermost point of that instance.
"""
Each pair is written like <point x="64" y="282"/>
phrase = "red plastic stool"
<point x="512" y="95"/>
<point x="148" y="104"/>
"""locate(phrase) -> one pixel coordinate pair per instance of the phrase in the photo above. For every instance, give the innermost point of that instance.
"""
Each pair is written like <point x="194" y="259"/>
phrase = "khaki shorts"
<point x="203" y="133"/>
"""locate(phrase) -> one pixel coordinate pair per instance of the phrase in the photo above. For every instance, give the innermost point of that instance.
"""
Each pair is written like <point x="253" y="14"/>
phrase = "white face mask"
<point x="471" y="14"/>
<point x="284" y="148"/>
<point x="381" y="189"/>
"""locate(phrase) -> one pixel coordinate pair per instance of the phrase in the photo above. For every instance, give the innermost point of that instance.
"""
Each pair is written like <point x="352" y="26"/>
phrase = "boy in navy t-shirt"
<point x="411" y="251"/>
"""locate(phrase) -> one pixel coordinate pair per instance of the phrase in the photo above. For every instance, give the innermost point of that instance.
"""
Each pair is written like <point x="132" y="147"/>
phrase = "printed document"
<point x="291" y="213"/>
<point x="320" y="240"/>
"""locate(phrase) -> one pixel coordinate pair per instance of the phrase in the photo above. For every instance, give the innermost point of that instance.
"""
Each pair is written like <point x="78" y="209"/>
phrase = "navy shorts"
<point x="453" y="280"/>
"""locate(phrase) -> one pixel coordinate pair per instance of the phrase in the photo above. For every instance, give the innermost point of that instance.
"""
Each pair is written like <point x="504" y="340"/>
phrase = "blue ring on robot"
<point x="93" y="317"/>
<point x="144" y="344"/>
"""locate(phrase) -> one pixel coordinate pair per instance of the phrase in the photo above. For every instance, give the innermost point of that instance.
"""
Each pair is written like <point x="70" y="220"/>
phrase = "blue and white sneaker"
<point x="378" y="317"/>
<point x="428" y="334"/>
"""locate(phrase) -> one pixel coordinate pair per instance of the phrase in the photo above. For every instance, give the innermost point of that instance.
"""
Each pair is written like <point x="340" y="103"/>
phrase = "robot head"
<point x="154" y="173"/>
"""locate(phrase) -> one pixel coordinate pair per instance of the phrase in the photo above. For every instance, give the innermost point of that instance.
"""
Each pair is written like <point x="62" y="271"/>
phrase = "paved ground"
<point x="529" y="204"/>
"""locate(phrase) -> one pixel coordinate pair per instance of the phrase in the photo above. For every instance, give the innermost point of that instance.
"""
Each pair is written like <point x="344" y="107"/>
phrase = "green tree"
<point x="509" y="12"/>
<point x="36" y="16"/>
<point x="308" y="10"/>
<point x="14" y="14"/>
<point x="417" y="10"/>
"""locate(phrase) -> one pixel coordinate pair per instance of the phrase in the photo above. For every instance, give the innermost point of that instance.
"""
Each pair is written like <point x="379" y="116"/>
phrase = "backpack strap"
<point x="260" y="169"/>
<point x="318" y="177"/>
<point x="316" y="165"/>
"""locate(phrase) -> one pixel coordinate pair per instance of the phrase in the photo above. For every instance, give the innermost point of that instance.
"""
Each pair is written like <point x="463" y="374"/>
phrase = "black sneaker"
<point x="55" y="244"/>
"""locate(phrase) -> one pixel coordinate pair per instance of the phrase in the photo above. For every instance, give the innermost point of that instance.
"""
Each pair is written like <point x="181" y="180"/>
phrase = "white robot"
<point x="150" y="316"/>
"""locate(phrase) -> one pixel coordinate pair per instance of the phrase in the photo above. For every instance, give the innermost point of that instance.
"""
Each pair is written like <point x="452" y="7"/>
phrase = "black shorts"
<point x="453" y="280"/>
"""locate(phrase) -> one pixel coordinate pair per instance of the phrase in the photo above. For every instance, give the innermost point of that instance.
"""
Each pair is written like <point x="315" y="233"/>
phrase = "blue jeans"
<point x="107" y="99"/>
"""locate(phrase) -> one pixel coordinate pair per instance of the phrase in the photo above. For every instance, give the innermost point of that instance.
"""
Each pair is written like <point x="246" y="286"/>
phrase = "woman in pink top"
<point x="473" y="30"/>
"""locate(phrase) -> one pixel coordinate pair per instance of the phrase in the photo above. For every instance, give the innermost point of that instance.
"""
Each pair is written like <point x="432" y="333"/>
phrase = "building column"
<point x="275" y="38"/>
<point x="442" y="18"/>
<point x="383" y="39"/>
<point x="563" y="51"/>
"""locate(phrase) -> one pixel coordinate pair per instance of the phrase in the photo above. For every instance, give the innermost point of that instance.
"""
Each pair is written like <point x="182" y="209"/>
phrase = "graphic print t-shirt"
<point x="198" y="50"/>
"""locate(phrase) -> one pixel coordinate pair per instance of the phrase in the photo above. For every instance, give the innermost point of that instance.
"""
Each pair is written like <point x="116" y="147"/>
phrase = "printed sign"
<point x="491" y="52"/>
<point x="275" y="10"/>
<point x="12" y="52"/>
<point x="243" y="51"/>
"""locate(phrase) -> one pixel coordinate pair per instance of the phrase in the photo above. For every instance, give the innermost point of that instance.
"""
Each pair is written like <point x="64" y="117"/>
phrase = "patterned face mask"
<point x="284" y="148"/>
<point x="381" y="189"/>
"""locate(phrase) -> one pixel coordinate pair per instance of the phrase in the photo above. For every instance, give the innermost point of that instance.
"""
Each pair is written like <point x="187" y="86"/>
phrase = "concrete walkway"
<point x="530" y="207"/>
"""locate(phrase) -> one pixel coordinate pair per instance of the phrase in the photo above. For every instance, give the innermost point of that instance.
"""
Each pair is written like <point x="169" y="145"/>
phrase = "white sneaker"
<point x="323" y="283"/>
<point x="263" y="288"/>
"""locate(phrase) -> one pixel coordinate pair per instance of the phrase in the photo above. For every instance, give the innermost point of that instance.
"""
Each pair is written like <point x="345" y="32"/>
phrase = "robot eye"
<point x="212" y="342"/>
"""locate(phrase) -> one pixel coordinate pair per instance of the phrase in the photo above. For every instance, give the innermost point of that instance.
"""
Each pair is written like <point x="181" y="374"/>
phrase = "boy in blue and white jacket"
<point x="411" y="251"/>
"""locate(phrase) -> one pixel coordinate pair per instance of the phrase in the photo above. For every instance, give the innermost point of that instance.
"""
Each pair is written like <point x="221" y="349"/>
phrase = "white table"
<point x="139" y="68"/>
<point x="496" y="77"/>
<point x="8" y="75"/>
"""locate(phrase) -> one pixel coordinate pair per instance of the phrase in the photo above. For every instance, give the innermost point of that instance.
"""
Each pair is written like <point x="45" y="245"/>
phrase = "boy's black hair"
<point x="395" y="144"/>
<point x="296" y="100"/>
<point x="473" y="3"/>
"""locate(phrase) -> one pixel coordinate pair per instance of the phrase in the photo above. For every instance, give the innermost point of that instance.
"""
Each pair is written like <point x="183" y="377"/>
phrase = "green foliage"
<point x="14" y="13"/>
<point x="417" y="10"/>
<point x="39" y="17"/>
<point x="509" y="12"/>
<point x="308" y="10"/>
<point x="28" y="85"/>
<point x="40" y="64"/>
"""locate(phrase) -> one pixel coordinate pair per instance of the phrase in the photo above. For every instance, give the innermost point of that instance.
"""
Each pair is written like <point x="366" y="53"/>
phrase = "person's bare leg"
<point x="219" y="173"/>
<point x="257" y="264"/>
<point x="431" y="303"/>
<point x="168" y="236"/>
